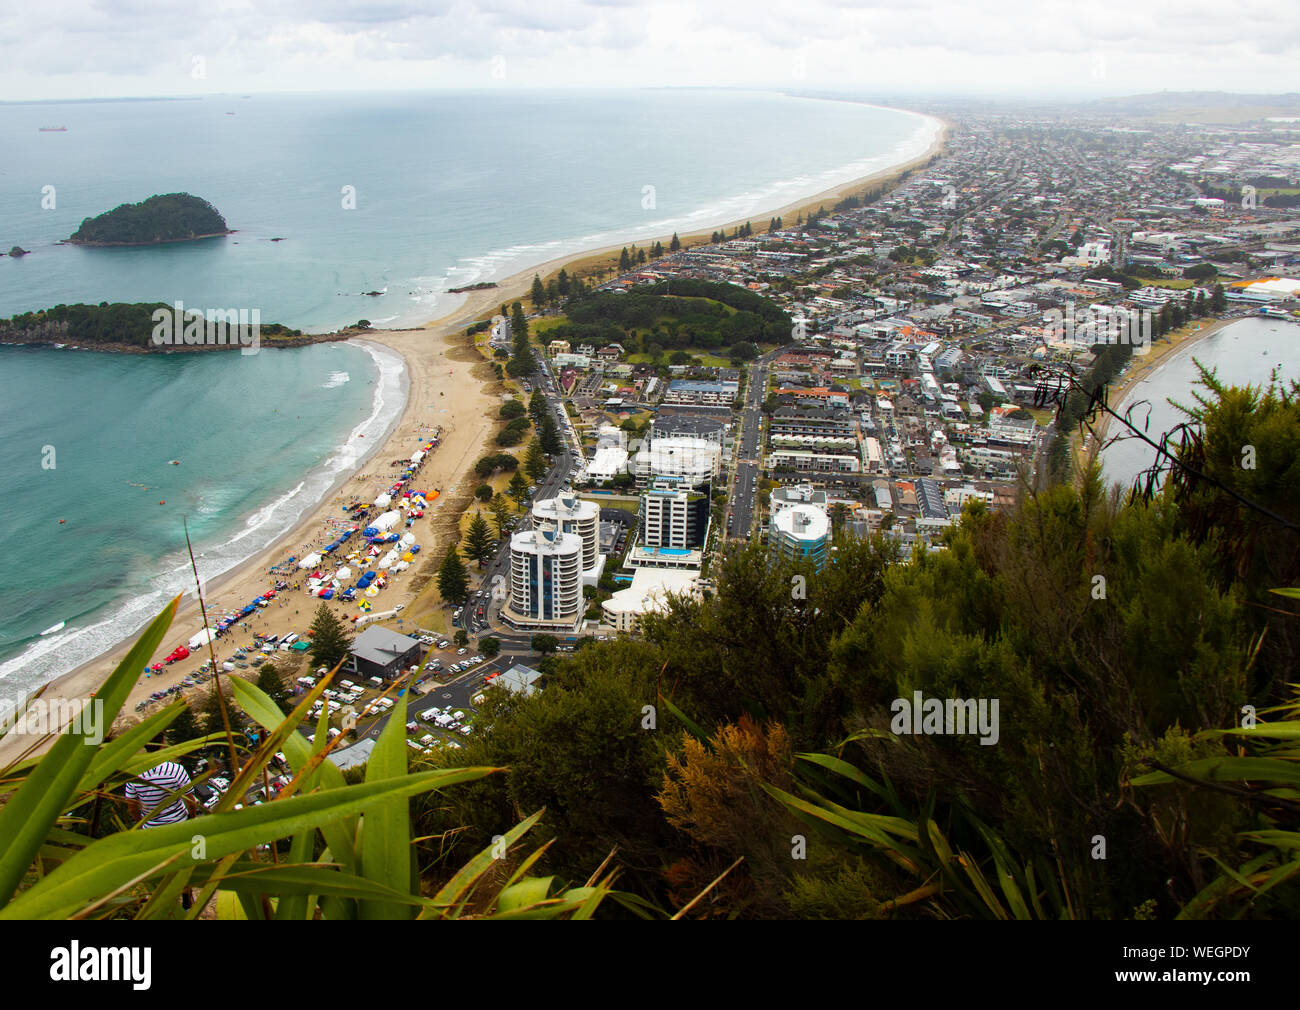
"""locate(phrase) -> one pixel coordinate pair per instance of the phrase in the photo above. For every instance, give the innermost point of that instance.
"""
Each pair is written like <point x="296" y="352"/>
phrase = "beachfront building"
<point x="545" y="580"/>
<point x="799" y="532"/>
<point x="571" y="514"/>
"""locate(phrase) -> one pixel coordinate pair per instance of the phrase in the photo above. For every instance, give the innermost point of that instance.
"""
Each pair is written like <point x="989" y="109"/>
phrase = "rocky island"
<point x="173" y="217"/>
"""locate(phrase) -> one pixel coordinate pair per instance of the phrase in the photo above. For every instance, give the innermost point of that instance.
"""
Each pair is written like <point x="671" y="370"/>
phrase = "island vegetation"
<point x="173" y="217"/>
<point x="121" y="326"/>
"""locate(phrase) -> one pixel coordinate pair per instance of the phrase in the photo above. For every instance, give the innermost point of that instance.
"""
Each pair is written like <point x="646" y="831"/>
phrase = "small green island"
<point x="172" y="217"/>
<point x="144" y="327"/>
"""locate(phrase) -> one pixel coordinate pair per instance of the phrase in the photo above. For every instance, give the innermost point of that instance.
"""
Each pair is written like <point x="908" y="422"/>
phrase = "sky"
<point x="59" y="49"/>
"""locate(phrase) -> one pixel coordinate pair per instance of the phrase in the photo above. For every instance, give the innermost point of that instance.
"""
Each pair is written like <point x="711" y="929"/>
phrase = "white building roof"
<point x="802" y="522"/>
<point x="649" y="590"/>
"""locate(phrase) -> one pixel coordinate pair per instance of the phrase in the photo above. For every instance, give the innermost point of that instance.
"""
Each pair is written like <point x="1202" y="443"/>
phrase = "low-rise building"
<point x="379" y="652"/>
<point x="649" y="592"/>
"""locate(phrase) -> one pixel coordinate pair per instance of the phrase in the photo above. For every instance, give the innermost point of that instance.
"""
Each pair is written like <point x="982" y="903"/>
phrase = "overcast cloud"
<point x="1035" y="48"/>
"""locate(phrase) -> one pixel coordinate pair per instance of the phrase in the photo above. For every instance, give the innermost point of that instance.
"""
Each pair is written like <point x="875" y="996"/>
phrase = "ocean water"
<point x="1243" y="353"/>
<point x="450" y="188"/>
<point x="88" y="440"/>
<point x="408" y="194"/>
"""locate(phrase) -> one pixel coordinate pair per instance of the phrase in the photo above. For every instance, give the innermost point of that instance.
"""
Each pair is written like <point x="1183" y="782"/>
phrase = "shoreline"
<point x="468" y="438"/>
<point x="1151" y="366"/>
<point x="515" y="286"/>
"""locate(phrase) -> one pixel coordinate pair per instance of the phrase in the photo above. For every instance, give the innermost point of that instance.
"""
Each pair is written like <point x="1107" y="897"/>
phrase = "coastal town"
<point x="641" y="461"/>
<point x="928" y="329"/>
<point x="931" y="324"/>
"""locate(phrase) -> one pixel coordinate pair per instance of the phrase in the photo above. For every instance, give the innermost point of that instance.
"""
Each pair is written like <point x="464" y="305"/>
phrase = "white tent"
<point x="310" y="561"/>
<point x="408" y="538"/>
<point x="202" y="638"/>
<point x="387" y="521"/>
<point x="383" y="501"/>
<point x="344" y="574"/>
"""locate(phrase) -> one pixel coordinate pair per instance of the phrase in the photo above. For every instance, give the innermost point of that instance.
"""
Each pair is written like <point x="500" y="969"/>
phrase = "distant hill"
<point x="174" y="217"/>
<point x="1201" y="106"/>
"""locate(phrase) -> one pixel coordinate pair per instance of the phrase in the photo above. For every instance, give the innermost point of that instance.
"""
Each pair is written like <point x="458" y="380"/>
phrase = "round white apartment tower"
<point x="546" y="575"/>
<point x="571" y="514"/>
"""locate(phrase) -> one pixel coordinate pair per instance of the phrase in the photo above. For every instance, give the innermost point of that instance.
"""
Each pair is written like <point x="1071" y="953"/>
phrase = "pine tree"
<point x="624" y="261"/>
<point x="1218" y="302"/>
<point x="537" y="406"/>
<point x="501" y="514"/>
<point x="675" y="244"/>
<point x="538" y="293"/>
<point x="271" y="684"/>
<point x="479" y="542"/>
<point x="453" y="579"/>
<point x="549" y="436"/>
<point x="329" y="640"/>
<point x="562" y="283"/>
<point x="518" y="489"/>
<point x="184" y="727"/>
<point x="535" y="465"/>
<point x="519" y="327"/>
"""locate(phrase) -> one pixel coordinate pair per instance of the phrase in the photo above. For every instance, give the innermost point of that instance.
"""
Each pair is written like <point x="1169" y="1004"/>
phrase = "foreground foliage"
<point x="344" y="850"/>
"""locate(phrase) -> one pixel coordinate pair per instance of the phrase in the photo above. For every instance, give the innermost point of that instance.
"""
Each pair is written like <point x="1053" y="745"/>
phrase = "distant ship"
<point x="53" y="129"/>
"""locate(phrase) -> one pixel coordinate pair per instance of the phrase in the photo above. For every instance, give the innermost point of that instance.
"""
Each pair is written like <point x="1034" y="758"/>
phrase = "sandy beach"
<point x="451" y="387"/>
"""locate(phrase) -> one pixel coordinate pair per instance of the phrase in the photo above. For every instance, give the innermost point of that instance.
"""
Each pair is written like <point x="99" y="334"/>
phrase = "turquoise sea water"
<point x="450" y="189"/>
<point x="260" y="438"/>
